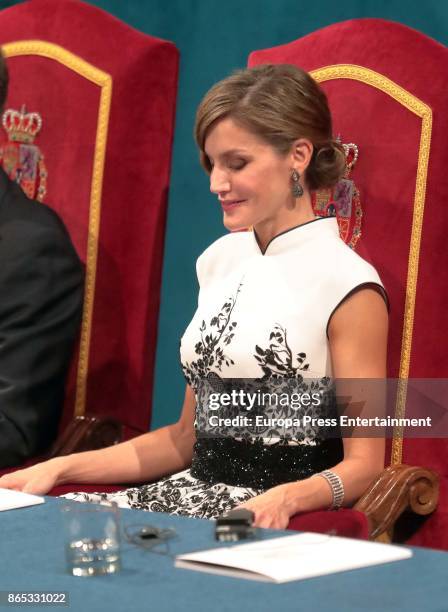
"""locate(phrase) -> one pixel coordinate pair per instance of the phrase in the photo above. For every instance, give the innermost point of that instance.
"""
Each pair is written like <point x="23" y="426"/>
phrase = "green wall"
<point x="214" y="37"/>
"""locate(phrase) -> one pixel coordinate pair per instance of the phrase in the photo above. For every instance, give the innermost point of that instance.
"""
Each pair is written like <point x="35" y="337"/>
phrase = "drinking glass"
<point x="92" y="538"/>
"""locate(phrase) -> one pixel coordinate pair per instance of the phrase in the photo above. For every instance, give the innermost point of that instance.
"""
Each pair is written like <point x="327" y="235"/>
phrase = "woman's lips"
<point x="230" y="205"/>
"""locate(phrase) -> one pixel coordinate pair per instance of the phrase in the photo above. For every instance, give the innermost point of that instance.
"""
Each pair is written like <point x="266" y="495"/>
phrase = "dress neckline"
<point x="280" y="242"/>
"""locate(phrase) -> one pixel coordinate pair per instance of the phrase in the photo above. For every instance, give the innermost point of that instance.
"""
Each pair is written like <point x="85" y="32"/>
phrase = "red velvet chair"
<point x="106" y="94"/>
<point x="386" y="85"/>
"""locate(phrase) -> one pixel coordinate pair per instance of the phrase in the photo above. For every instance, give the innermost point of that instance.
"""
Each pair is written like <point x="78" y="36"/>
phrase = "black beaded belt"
<point x="261" y="466"/>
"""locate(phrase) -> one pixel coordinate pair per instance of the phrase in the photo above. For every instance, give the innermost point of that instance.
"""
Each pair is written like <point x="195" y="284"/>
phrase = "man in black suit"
<point x="41" y="294"/>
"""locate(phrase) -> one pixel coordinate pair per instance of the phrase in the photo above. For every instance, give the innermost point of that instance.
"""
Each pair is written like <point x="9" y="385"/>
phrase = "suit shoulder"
<point x="22" y="219"/>
<point x="41" y="214"/>
<point x="16" y="206"/>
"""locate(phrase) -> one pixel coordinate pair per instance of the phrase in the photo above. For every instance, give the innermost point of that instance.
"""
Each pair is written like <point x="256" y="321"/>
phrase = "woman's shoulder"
<point x="353" y="264"/>
<point x="347" y="271"/>
<point x="332" y="253"/>
<point x="228" y="243"/>
<point x="223" y="253"/>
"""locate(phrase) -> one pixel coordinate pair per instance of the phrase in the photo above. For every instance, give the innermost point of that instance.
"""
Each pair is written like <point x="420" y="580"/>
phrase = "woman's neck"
<point x="269" y="228"/>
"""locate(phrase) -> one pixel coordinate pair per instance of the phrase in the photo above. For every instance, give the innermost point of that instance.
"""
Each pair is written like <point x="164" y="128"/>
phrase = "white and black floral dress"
<point x="261" y="322"/>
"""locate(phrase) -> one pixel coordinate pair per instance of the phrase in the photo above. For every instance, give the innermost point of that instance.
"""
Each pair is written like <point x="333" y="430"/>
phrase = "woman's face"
<point x="251" y="179"/>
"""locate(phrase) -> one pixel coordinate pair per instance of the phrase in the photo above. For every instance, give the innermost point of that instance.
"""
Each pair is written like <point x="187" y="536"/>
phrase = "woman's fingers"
<point x="11" y="481"/>
<point x="36" y="480"/>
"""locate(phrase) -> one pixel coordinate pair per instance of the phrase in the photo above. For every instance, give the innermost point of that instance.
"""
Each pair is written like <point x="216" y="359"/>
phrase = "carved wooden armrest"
<point x="87" y="433"/>
<point x="396" y="489"/>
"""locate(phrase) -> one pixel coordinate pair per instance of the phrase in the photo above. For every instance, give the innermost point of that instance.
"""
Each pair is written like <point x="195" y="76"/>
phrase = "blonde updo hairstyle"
<point x="279" y="103"/>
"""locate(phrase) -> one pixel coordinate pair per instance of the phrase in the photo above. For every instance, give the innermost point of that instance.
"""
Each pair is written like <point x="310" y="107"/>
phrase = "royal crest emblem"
<point x="342" y="201"/>
<point x="21" y="159"/>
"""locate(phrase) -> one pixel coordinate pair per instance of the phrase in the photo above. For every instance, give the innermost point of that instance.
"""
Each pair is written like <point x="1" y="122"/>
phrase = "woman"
<point x="287" y="299"/>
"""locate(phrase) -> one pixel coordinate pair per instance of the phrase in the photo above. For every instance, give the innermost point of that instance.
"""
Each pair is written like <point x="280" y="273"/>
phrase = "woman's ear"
<point x="301" y="153"/>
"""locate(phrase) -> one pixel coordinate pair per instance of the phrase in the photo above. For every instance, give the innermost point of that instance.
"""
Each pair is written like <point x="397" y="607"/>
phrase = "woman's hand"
<point x="271" y="508"/>
<point x="38" y="479"/>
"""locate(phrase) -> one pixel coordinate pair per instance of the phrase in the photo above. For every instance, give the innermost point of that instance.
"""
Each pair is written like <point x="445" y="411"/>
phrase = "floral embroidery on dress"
<point x="180" y="494"/>
<point x="282" y="373"/>
<point x="210" y="353"/>
<point x="283" y="376"/>
<point x="277" y="360"/>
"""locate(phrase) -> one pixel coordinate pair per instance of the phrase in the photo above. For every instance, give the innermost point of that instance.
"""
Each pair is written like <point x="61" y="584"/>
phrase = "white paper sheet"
<point x="296" y="557"/>
<point x="16" y="499"/>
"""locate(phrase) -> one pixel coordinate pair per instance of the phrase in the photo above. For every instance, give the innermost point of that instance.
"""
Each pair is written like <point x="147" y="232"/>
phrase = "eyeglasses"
<point x="150" y="538"/>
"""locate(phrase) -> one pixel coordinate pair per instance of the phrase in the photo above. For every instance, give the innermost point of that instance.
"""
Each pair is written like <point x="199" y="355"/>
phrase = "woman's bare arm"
<point x="142" y="459"/>
<point x="358" y="344"/>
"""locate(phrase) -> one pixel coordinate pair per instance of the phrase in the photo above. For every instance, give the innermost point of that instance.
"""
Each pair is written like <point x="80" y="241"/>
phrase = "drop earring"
<point x="296" y="187"/>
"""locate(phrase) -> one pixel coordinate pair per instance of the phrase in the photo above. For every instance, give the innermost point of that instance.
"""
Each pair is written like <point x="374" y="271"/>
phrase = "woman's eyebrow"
<point x="228" y="153"/>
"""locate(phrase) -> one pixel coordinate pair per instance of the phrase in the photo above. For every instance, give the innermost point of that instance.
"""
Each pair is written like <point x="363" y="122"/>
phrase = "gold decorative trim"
<point x="104" y="81"/>
<point x="422" y="110"/>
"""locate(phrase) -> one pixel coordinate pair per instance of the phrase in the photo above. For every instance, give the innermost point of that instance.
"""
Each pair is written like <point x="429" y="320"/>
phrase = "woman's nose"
<point x="219" y="181"/>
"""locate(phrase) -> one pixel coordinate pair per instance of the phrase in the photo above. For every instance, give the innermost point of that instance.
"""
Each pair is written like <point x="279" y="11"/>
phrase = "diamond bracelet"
<point x="337" y="488"/>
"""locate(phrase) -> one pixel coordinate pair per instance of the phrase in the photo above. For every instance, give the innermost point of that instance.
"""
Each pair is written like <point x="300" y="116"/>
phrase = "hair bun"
<point x="327" y="165"/>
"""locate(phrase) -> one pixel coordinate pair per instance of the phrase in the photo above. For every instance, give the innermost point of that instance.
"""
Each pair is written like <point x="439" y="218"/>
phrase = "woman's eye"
<point x="238" y="164"/>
